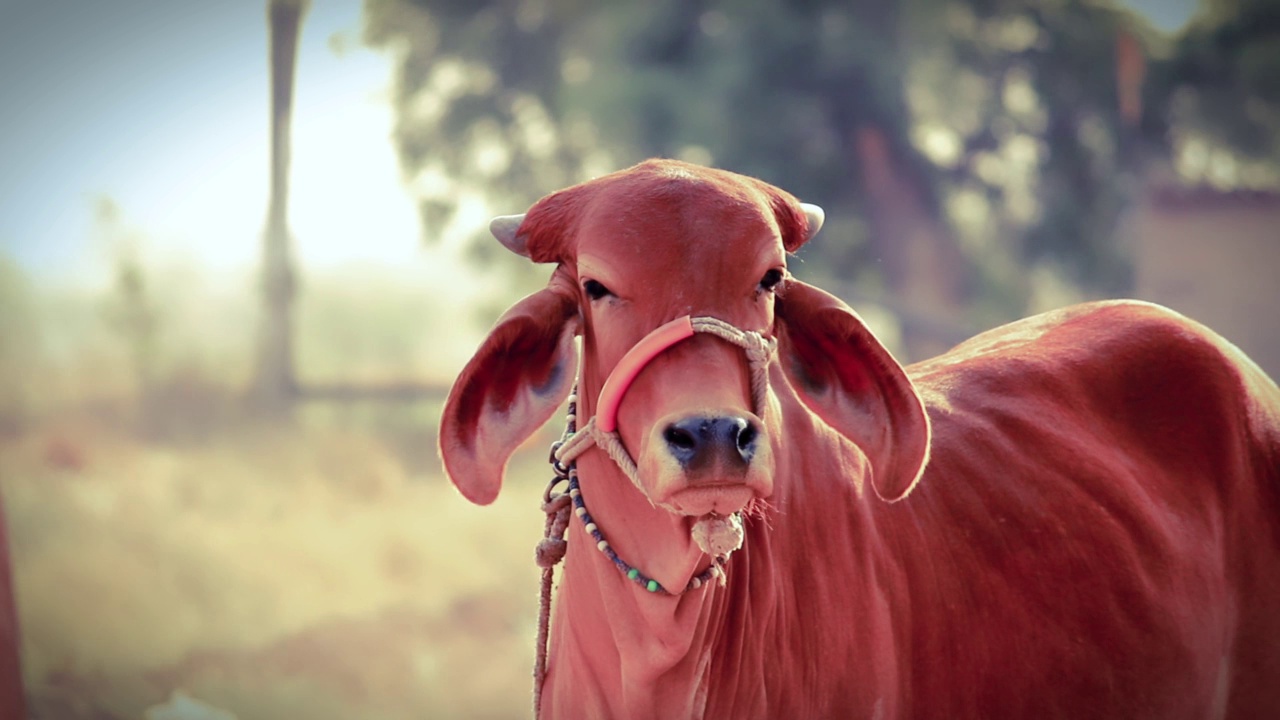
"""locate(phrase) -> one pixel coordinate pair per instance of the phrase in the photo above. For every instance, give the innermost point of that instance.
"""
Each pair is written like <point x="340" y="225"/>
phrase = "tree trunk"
<point x="274" y="386"/>
<point x="924" y="270"/>
<point x="921" y="264"/>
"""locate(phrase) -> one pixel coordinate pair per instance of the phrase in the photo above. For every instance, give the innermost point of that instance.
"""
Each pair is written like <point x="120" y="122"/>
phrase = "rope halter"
<point x="602" y="430"/>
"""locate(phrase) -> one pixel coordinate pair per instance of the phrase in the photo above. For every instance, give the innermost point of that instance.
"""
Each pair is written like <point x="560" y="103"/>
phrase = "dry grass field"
<point x="268" y="573"/>
<point x="167" y="546"/>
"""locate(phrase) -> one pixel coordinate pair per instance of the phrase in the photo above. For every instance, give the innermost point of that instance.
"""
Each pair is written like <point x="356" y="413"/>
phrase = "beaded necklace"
<point x="566" y="480"/>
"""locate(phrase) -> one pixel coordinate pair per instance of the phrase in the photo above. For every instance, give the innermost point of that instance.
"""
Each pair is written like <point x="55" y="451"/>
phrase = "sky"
<point x="1167" y="15"/>
<point x="162" y="107"/>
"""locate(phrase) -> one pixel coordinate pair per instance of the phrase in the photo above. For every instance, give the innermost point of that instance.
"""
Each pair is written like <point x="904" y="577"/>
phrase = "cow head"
<point x="637" y="249"/>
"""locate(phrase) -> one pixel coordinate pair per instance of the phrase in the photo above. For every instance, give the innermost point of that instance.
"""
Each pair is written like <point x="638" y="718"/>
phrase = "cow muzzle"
<point x="725" y="444"/>
<point x="706" y="463"/>
<point x="695" y="464"/>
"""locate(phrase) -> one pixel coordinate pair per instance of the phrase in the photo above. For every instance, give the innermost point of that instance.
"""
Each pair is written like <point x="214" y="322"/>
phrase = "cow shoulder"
<point x="1142" y="376"/>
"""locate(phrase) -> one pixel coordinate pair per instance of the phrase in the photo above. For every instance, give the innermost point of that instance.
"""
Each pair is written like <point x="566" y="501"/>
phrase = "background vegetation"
<point x="1005" y="139"/>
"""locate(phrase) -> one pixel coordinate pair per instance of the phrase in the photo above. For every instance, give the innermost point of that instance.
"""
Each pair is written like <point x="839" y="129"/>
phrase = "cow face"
<point x="635" y="250"/>
<point x="661" y="245"/>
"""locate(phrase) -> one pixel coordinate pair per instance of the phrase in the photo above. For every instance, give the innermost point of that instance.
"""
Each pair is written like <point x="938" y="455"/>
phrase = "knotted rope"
<point x="759" y="351"/>
<point x="550" y="552"/>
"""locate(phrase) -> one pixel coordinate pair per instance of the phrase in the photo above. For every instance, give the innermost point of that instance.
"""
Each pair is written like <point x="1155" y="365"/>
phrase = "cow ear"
<point x="517" y="379"/>
<point x="850" y="380"/>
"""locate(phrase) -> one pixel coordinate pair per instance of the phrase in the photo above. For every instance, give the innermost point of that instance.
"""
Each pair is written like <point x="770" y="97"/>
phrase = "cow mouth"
<point x="714" y="500"/>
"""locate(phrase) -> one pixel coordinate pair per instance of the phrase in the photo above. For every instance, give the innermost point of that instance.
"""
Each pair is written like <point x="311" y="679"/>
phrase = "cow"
<point x="1074" y="515"/>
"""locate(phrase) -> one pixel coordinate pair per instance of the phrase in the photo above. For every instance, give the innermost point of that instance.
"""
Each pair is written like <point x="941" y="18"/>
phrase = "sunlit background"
<point x="209" y="522"/>
<point x="161" y="108"/>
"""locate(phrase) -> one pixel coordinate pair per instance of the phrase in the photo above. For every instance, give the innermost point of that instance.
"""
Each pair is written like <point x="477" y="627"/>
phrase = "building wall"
<point x="1215" y="257"/>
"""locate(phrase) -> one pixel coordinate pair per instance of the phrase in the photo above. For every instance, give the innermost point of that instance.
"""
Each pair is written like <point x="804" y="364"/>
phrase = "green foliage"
<point x="1224" y="76"/>
<point x="1004" y="116"/>
<point x="477" y="96"/>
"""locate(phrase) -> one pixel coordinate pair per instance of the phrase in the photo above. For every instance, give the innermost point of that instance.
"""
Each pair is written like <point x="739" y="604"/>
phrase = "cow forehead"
<point x="675" y="221"/>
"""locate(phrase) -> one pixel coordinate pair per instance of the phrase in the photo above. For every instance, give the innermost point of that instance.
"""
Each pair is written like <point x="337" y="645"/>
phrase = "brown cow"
<point x="1073" y="516"/>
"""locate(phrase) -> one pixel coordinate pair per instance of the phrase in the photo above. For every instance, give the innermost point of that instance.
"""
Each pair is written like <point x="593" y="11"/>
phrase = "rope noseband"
<point x="602" y="429"/>
<point x="563" y="491"/>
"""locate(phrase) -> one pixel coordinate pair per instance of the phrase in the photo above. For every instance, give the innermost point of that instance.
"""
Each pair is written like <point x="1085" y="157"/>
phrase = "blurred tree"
<point x="510" y="98"/>
<point x="274" y="385"/>
<point x="953" y="144"/>
<point x="1101" y="98"/>
<point x="1034" y="118"/>
<point x="811" y="96"/>
<point x="21" y="348"/>
<point x="474" y="81"/>
<point x="129" y="309"/>
<point x="1220" y="84"/>
<point x="478" y="98"/>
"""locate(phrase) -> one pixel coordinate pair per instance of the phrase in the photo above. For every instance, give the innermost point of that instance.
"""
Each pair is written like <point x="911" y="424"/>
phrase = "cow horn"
<point x="505" y="227"/>
<point x="815" y="216"/>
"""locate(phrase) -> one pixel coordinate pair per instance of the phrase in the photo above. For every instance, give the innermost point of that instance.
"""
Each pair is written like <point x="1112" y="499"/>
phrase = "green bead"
<point x="653" y="586"/>
<point x="633" y="573"/>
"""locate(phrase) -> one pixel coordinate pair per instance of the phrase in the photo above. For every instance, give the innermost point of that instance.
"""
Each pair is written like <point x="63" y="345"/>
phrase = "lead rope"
<point x="559" y="496"/>
<point x="551" y="549"/>
<point x="759" y="351"/>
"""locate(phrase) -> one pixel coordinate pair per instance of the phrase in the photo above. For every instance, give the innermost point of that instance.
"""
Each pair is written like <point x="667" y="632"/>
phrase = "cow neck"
<point x="737" y="650"/>
<point x="617" y="650"/>
<point x="599" y="578"/>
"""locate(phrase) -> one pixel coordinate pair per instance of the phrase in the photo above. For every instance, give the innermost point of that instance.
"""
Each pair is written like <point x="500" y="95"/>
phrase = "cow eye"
<point x="771" y="279"/>
<point x="595" y="290"/>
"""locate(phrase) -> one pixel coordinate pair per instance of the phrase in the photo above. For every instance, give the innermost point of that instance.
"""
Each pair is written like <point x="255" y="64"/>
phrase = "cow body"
<point x="1096" y="532"/>
<point x="1099" y="525"/>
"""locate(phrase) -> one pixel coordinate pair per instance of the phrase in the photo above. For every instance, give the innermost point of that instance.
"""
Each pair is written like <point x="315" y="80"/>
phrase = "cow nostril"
<point x="746" y="440"/>
<point x="695" y="441"/>
<point x="679" y="438"/>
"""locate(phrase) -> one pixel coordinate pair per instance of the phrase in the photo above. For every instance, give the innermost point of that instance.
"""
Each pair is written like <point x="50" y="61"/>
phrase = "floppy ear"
<point x="850" y="380"/>
<point x="522" y="372"/>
